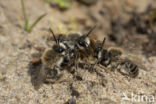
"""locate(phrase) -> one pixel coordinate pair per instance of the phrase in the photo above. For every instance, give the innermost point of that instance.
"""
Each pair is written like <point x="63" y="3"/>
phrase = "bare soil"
<point x="117" y="20"/>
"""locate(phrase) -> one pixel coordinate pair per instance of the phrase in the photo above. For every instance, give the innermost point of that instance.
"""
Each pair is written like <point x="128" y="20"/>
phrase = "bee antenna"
<point x="90" y="31"/>
<point x="103" y="42"/>
<point x="53" y="35"/>
<point x="59" y="38"/>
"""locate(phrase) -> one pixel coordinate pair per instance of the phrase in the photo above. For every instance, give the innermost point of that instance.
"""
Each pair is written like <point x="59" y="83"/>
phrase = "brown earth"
<point x="17" y="47"/>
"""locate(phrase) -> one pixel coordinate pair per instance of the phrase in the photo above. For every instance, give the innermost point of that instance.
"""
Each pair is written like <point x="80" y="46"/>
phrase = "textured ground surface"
<point x="17" y="46"/>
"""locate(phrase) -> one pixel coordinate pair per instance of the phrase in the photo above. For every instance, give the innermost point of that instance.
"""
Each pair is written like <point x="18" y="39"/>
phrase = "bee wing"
<point x="73" y="36"/>
<point x="136" y="60"/>
<point x="140" y="64"/>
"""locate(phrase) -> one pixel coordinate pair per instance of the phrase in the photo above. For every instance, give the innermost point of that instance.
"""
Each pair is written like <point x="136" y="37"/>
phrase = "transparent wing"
<point x="136" y="59"/>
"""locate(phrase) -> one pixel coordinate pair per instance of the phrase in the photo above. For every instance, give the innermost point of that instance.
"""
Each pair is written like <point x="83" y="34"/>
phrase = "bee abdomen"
<point x="132" y="69"/>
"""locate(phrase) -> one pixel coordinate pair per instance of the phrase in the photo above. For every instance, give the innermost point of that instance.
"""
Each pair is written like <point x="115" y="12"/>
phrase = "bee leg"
<point x="76" y="65"/>
<point x="122" y="73"/>
<point x="58" y="72"/>
<point x="54" y="73"/>
<point x="93" y="65"/>
<point x="76" y="62"/>
<point x="105" y="62"/>
<point x="119" y="69"/>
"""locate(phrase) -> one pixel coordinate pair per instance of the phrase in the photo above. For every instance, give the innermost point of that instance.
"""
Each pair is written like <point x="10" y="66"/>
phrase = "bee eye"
<point x="81" y="43"/>
<point x="98" y="48"/>
<point x="60" y="50"/>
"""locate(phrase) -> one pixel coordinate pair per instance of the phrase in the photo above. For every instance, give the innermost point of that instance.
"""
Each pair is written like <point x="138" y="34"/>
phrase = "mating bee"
<point x="112" y="58"/>
<point x="83" y="44"/>
<point x="105" y="56"/>
<point x="80" y="46"/>
<point x="53" y="60"/>
<point x="101" y="54"/>
<point x="57" y="54"/>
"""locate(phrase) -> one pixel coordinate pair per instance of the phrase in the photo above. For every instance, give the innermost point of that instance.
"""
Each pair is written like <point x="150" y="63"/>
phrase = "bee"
<point x="105" y="56"/>
<point x="79" y="46"/>
<point x="57" y="52"/>
<point x="84" y="45"/>
<point x="102" y="55"/>
<point x="112" y="58"/>
<point x="53" y="61"/>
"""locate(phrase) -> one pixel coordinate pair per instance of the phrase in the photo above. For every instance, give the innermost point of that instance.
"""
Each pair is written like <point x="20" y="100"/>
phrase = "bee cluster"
<point x="75" y="48"/>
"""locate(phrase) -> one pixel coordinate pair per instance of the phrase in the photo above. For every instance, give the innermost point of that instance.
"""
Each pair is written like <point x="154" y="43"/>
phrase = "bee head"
<point x="59" y="47"/>
<point x="99" y="46"/>
<point x="83" y="42"/>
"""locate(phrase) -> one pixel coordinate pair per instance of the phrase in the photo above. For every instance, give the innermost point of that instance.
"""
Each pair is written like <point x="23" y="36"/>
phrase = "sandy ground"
<point x="17" y="47"/>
